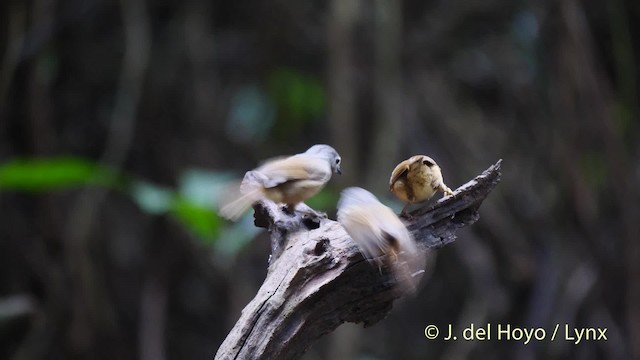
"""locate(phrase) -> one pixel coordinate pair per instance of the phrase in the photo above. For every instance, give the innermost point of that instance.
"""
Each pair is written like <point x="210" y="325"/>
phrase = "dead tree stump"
<point x="317" y="278"/>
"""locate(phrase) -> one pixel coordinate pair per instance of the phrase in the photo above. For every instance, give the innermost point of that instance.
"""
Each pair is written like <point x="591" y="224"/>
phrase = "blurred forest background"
<point x="119" y="121"/>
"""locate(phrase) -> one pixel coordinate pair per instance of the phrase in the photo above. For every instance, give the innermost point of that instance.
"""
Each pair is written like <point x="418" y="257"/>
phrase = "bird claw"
<point x="446" y="190"/>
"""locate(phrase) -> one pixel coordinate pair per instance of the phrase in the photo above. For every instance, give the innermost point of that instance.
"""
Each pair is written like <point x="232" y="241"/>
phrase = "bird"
<point x="381" y="236"/>
<point x="288" y="180"/>
<point x="416" y="180"/>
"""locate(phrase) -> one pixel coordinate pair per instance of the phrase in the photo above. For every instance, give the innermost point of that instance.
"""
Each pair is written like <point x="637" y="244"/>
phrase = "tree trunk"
<point x="317" y="279"/>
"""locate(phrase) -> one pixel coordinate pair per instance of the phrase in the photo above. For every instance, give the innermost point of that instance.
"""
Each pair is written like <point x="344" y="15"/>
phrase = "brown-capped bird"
<point x="417" y="179"/>
<point x="380" y="235"/>
<point x="289" y="180"/>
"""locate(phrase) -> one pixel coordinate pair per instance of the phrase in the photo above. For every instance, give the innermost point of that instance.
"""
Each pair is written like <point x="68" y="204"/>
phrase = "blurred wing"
<point x="365" y="233"/>
<point x="378" y="231"/>
<point x="377" y="237"/>
<point x="298" y="167"/>
<point x="390" y="224"/>
<point x="404" y="257"/>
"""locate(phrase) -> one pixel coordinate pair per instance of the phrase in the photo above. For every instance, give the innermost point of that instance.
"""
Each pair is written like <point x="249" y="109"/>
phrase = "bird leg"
<point x="307" y="211"/>
<point x="314" y="214"/>
<point x="289" y="209"/>
<point x="405" y="212"/>
<point x="445" y="189"/>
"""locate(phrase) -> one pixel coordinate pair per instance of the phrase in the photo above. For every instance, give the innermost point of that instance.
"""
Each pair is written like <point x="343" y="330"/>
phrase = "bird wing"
<point x="406" y="261"/>
<point x="399" y="171"/>
<point x="363" y="230"/>
<point x="394" y="229"/>
<point x="297" y="167"/>
<point x="381" y="237"/>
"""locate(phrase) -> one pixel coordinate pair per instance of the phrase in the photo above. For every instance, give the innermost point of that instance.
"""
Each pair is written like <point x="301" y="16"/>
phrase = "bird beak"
<point x="338" y="170"/>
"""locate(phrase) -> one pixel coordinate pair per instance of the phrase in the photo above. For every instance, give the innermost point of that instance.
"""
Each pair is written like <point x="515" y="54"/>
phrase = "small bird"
<point x="380" y="235"/>
<point x="288" y="180"/>
<point x="417" y="179"/>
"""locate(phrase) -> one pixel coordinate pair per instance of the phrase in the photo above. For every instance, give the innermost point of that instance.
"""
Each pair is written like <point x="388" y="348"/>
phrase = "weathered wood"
<point x="317" y="278"/>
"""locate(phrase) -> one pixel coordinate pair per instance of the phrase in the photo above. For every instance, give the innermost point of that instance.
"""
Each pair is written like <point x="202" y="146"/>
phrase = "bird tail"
<point x="237" y="199"/>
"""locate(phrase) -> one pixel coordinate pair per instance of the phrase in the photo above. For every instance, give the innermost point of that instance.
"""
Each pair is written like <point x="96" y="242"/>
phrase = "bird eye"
<point x="428" y="163"/>
<point x="337" y="161"/>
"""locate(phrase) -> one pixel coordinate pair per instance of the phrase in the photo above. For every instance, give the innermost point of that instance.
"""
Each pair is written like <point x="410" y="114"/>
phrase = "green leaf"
<point x="299" y="98"/>
<point x="55" y="173"/>
<point x="203" y="222"/>
<point x="193" y="207"/>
